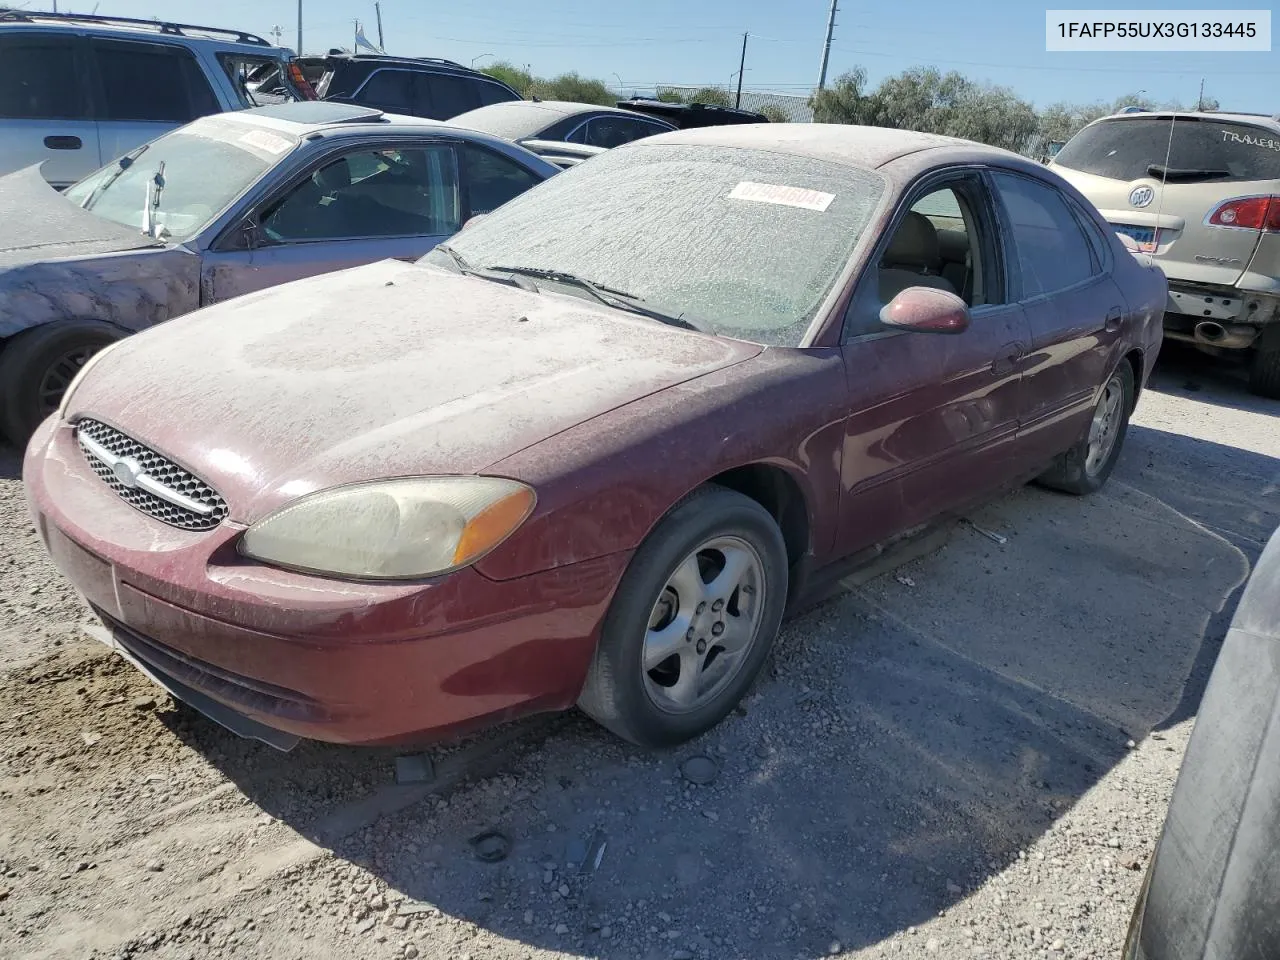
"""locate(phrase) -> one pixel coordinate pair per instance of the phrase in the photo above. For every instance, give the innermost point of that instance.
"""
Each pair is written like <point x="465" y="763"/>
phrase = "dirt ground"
<point x="969" y="756"/>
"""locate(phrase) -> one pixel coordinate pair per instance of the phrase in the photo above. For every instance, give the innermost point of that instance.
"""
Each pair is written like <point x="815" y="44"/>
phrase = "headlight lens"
<point x="80" y="375"/>
<point x="391" y="529"/>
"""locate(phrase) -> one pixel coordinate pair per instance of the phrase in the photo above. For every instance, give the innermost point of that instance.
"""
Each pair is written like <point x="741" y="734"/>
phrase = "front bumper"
<point x="266" y="651"/>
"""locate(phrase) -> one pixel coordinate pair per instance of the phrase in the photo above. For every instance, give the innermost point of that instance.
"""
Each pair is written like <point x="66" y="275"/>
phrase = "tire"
<point x="651" y="705"/>
<point x="1264" y="369"/>
<point x="1074" y="471"/>
<point x="37" y="365"/>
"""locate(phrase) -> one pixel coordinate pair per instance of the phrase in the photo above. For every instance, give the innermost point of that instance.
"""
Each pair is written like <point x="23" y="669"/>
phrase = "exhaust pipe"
<point x="1234" y="337"/>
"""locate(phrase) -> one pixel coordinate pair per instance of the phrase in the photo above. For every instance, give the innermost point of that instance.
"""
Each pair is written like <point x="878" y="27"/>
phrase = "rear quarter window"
<point x="1212" y="150"/>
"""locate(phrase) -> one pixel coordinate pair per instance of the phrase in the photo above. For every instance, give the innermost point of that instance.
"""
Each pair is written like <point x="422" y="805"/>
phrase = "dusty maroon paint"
<point x="926" y="311"/>
<point x="394" y="370"/>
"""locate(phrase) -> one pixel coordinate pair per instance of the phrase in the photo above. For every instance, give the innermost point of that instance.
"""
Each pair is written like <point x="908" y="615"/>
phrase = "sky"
<point x="643" y="44"/>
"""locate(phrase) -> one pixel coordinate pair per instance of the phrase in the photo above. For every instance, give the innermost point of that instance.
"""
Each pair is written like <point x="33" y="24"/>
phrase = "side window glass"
<point x="389" y="90"/>
<point x="377" y="193"/>
<point x="1097" y="242"/>
<point x="450" y="95"/>
<point x="491" y="93"/>
<point x="941" y="242"/>
<point x="580" y="133"/>
<point x="142" y="82"/>
<point x="203" y="102"/>
<point x="1051" y="252"/>
<point x="492" y="179"/>
<point x="613" y="131"/>
<point x="39" y="80"/>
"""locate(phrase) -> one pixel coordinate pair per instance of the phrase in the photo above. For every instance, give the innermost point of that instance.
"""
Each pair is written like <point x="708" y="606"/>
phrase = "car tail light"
<point x="1247" y="213"/>
<point x="300" y="82"/>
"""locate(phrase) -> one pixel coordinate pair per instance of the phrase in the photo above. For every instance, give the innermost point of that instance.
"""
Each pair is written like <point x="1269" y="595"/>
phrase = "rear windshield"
<point x="1208" y="150"/>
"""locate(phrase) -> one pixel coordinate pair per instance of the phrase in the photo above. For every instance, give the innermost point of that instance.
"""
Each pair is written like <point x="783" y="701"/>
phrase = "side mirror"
<point x="248" y="237"/>
<point x="926" y="310"/>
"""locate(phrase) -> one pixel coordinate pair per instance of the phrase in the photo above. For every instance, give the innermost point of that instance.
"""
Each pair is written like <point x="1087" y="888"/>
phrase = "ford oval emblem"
<point x="126" y="471"/>
<point x="1141" y="196"/>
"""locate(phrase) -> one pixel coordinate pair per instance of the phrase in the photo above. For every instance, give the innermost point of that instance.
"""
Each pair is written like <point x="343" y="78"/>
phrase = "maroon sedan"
<point x="589" y="452"/>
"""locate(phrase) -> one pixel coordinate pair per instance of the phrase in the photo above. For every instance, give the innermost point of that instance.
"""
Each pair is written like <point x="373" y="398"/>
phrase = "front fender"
<point x="132" y="290"/>
<point x="604" y="484"/>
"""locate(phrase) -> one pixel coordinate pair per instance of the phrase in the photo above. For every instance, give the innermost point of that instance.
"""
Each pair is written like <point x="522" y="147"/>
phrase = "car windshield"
<point x="207" y="164"/>
<point x="743" y="242"/>
<point x="1201" y="148"/>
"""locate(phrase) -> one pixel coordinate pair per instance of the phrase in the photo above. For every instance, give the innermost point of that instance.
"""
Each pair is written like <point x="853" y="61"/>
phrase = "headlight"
<point x="391" y="529"/>
<point x="80" y="375"/>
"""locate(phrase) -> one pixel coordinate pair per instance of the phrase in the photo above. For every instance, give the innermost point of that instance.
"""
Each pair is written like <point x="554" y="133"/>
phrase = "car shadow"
<point x="1184" y="371"/>
<point x="911" y="737"/>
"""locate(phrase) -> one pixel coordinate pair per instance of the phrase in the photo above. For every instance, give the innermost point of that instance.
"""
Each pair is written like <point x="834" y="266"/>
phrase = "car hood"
<point x="41" y="224"/>
<point x="386" y="370"/>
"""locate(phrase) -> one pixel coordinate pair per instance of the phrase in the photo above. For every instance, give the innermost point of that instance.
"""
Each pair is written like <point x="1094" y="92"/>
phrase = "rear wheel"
<point x="38" y="365"/>
<point x="692" y="622"/>
<point x="1264" y="371"/>
<point x="1085" y="467"/>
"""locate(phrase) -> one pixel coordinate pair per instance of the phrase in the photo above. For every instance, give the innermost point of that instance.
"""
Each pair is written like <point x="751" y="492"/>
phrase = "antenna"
<point x="1168" y="155"/>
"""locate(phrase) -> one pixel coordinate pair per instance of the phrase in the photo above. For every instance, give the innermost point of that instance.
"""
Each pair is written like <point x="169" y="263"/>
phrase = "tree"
<point x="775" y="114"/>
<point x="929" y="101"/>
<point x="574" y="88"/>
<point x="517" y="79"/>
<point x="712" y="96"/>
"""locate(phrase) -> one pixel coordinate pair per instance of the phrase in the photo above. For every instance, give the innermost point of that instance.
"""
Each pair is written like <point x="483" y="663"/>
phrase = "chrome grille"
<point x="205" y="510"/>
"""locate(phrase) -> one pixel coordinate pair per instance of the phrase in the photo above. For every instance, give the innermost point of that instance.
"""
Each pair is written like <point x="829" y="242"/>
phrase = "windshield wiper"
<point x="155" y="187"/>
<point x="1184" y="173"/>
<point x="123" y="164"/>
<point x="609" y="296"/>
<point x="466" y="269"/>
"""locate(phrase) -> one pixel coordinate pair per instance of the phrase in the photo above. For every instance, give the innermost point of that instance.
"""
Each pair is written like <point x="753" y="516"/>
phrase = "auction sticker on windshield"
<point x="263" y="140"/>
<point x="783" y="196"/>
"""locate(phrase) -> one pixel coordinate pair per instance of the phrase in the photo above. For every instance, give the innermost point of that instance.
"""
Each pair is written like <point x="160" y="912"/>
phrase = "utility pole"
<point x="1200" y="99"/>
<point x="742" y="66"/>
<point x="355" y="37"/>
<point x="299" y="27"/>
<point x="826" y="47"/>
<point x="377" y="9"/>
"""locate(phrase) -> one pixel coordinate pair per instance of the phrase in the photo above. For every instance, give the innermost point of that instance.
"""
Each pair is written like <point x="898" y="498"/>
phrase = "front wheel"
<point x="36" y="368"/>
<point x="692" y="622"/>
<point x="1085" y="467"/>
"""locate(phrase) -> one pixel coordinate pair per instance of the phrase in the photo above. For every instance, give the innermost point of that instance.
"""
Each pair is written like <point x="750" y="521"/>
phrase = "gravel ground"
<point x="969" y="756"/>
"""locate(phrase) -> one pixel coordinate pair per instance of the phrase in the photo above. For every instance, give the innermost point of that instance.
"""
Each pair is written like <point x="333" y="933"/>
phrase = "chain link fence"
<point x="778" y="107"/>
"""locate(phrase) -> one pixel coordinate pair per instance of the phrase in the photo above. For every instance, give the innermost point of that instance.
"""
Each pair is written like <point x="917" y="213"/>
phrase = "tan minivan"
<point x="1200" y="193"/>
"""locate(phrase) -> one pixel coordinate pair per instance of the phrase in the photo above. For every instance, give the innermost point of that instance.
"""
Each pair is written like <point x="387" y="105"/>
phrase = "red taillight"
<point x="1247" y="213"/>
<point x="300" y="82"/>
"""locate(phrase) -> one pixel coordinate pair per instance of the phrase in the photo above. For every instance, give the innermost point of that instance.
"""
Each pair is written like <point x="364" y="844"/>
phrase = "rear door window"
<point x="491" y="93"/>
<point x="1051" y="250"/>
<point x="449" y="95"/>
<point x="1202" y="150"/>
<point x="150" y="82"/>
<point x="390" y="90"/>
<point x="39" y="79"/>
<point x="611" y="130"/>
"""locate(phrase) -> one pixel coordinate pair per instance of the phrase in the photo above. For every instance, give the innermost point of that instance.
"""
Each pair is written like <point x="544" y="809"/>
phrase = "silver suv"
<point x="78" y="91"/>
<point x="1200" y="193"/>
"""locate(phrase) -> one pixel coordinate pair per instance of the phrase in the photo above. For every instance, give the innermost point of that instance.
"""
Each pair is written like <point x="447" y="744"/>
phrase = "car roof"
<point x="1265" y="120"/>
<point x="524" y="118"/>
<point x="856" y="146"/>
<point x="102" y="25"/>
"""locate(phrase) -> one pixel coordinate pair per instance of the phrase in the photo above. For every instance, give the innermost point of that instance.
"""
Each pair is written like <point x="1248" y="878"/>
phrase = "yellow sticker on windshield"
<point x="265" y="141"/>
<point x="783" y="196"/>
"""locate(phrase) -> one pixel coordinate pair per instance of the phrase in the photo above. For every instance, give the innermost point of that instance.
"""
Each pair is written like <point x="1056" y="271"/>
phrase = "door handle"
<point x="1115" y="316"/>
<point x="63" y="143"/>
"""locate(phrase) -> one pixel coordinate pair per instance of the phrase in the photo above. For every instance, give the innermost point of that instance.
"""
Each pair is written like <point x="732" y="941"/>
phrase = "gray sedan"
<point x="224" y="206"/>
